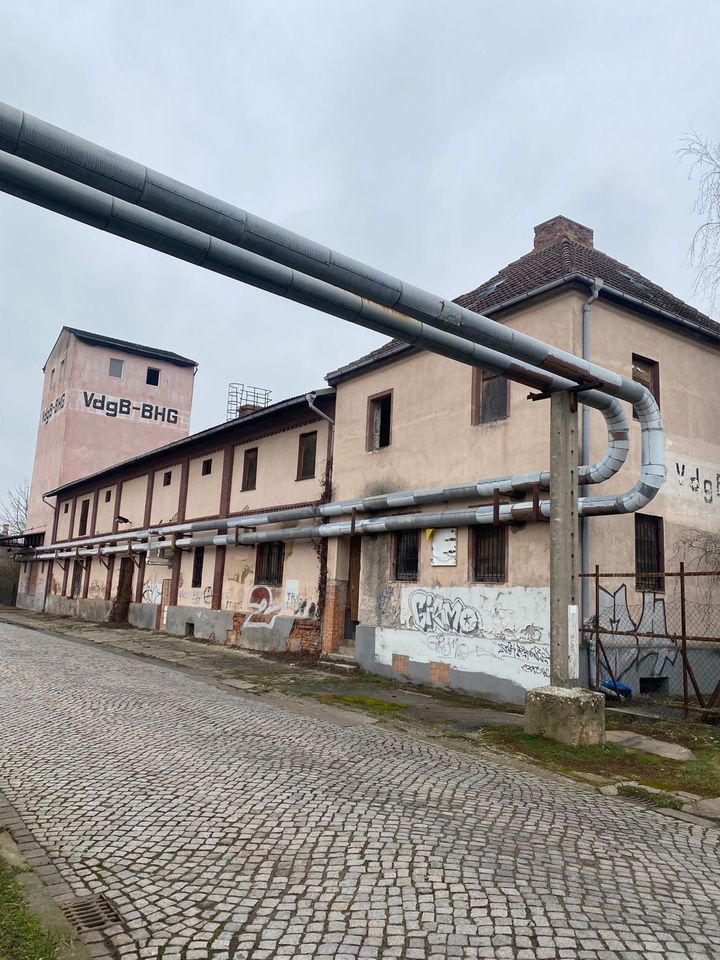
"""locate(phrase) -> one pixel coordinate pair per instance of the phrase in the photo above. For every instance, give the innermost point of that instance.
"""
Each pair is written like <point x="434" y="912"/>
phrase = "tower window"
<point x="153" y="376"/>
<point x="115" y="368"/>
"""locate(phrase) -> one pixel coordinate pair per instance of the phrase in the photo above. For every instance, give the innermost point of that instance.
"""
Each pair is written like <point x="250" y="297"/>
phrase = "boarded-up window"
<point x="649" y="553"/>
<point x="490" y="396"/>
<point x="82" y="526"/>
<point x="306" y="455"/>
<point x="198" y="557"/>
<point x="249" y="474"/>
<point x="269" y="563"/>
<point x="646" y="372"/>
<point x="407" y="554"/>
<point x="379" y="417"/>
<point x="489" y="561"/>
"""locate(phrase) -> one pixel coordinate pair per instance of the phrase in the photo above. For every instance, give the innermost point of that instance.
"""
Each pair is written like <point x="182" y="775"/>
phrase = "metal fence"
<point x="659" y="645"/>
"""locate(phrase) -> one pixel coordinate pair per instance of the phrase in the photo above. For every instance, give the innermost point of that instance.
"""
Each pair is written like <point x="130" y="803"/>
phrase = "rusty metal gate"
<point x="655" y="637"/>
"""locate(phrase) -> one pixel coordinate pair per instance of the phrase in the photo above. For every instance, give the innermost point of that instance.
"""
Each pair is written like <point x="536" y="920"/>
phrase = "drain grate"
<point x="90" y="913"/>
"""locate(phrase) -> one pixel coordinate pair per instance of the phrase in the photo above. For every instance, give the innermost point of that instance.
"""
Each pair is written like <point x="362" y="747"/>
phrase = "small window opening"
<point x="66" y="507"/>
<point x="206" y="468"/>
<point x="115" y="368"/>
<point x="153" y="376"/>
<point x="306" y="455"/>
<point x="407" y="554"/>
<point x="198" y="557"/>
<point x="249" y="474"/>
<point x="189" y="629"/>
<point x="108" y="496"/>
<point x="82" y="526"/>
<point x="491" y="393"/>
<point x="646" y="372"/>
<point x="654" y="685"/>
<point x="379" y="417"/>
<point x="167" y="478"/>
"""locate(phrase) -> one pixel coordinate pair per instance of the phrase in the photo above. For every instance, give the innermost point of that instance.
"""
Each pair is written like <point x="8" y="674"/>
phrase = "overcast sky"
<point x="426" y="138"/>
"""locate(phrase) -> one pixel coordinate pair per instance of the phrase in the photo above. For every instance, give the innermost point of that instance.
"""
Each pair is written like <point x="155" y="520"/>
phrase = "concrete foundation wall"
<point x="272" y="636"/>
<point x="143" y="615"/>
<point x="30" y="601"/>
<point x="208" y="624"/>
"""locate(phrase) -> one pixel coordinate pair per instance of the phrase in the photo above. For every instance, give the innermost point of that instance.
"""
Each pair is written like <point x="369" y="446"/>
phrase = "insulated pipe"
<point x="81" y="160"/>
<point x="88" y="205"/>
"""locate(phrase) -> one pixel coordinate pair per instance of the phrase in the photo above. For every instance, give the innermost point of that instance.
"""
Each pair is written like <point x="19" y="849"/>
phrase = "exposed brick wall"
<point x="304" y="636"/>
<point x="333" y="622"/>
<point x="439" y="672"/>
<point x="232" y="637"/>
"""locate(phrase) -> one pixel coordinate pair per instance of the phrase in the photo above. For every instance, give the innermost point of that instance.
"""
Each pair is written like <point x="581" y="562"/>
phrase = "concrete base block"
<point x="568" y="715"/>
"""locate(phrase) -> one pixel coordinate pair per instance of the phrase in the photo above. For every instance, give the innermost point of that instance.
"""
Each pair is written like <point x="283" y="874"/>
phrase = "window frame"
<point x="197" y="568"/>
<point x="654" y="377"/>
<point x="167" y="478"/>
<point x="644" y="582"/>
<point x="84" y="514"/>
<point x="372" y="401"/>
<point x="246" y="469"/>
<point x="397" y="539"/>
<point x="479" y="377"/>
<point x="148" y="381"/>
<point x="108" y="496"/>
<point x="305" y="437"/>
<point x="116" y="376"/>
<point x="206" y="467"/>
<point x="477" y="534"/>
<point x="268" y="572"/>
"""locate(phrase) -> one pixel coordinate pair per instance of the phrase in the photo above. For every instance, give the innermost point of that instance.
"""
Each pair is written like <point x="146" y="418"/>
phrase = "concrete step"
<point x="343" y="655"/>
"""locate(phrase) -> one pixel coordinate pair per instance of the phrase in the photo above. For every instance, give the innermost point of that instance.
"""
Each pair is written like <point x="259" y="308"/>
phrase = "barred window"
<point x="489" y="554"/>
<point x="269" y="563"/>
<point x="407" y="554"/>
<point x="649" y="553"/>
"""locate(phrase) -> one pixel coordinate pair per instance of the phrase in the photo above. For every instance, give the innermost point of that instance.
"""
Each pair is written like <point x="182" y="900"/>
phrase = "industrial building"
<point x="278" y="529"/>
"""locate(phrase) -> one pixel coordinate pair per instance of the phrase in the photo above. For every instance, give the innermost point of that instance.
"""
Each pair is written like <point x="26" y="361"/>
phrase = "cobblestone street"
<point x="220" y="826"/>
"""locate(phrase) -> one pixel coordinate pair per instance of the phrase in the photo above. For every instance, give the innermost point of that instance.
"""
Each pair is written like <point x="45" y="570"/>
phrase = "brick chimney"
<point x="558" y="227"/>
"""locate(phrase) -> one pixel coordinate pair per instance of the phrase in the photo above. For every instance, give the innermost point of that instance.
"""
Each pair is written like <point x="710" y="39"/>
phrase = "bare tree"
<point x="14" y="508"/>
<point x="703" y="156"/>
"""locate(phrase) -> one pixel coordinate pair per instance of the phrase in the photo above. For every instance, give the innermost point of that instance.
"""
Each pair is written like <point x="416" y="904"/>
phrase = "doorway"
<point x="121" y="606"/>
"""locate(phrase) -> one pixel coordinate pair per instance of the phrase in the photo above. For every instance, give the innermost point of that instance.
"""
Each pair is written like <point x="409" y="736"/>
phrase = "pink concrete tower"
<point x="104" y="400"/>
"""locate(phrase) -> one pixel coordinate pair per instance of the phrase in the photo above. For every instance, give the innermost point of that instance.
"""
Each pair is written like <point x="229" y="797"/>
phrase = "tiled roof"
<point x="100" y="340"/>
<point x="560" y="255"/>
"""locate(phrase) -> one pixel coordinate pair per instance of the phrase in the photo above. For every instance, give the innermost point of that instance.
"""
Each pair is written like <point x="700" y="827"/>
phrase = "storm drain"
<point x="90" y="913"/>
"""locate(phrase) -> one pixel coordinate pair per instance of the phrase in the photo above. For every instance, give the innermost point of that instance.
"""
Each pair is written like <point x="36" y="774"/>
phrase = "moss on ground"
<point x="21" y="937"/>
<point x="373" y="704"/>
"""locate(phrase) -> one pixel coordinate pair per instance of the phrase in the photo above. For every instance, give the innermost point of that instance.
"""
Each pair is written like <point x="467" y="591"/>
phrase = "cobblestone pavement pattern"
<point x="223" y="827"/>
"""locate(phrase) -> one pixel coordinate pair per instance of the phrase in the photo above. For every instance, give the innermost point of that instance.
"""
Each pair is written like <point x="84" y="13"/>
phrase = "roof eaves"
<point x="360" y="366"/>
<point x="139" y="349"/>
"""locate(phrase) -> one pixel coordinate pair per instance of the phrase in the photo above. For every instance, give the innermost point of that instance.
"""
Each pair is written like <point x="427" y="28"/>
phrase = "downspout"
<point x="585" y="453"/>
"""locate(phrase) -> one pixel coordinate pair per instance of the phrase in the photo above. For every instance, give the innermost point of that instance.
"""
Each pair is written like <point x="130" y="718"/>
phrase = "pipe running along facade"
<point x="47" y="147"/>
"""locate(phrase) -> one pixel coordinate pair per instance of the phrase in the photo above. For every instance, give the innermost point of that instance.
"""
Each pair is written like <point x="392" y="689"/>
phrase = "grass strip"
<point x="21" y="937"/>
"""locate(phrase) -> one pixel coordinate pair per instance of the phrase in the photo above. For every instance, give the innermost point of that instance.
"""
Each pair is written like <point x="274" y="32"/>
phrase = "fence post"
<point x="597" y="627"/>
<point x="683" y="638"/>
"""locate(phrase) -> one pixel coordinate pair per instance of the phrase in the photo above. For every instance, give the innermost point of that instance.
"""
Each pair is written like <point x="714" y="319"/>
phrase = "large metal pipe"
<point x="83" y="203"/>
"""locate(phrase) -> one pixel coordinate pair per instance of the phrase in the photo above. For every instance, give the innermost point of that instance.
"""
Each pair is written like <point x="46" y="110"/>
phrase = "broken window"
<point x="489" y="561"/>
<point x="490" y="396"/>
<point x="249" y="474"/>
<point x="379" y="415"/>
<point x="407" y="554"/>
<point x="206" y="468"/>
<point x="306" y="455"/>
<point x="649" y="553"/>
<point x="269" y="563"/>
<point x="646" y="372"/>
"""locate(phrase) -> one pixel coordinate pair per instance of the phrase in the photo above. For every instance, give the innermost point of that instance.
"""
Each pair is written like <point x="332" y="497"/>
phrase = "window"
<point x="198" y="557"/>
<point x="378" y="425"/>
<point x="66" y="507"/>
<point x="52" y="377"/>
<point x="649" y="553"/>
<point x="153" y="376"/>
<point x="489" y="556"/>
<point x="167" y="478"/>
<point x="646" y="372"/>
<point x="206" y="468"/>
<point x="269" y="562"/>
<point x="82" y="527"/>
<point x="62" y="368"/>
<point x="306" y="455"/>
<point x="76" y="586"/>
<point x="249" y="473"/>
<point x="407" y="552"/>
<point x="116" y="368"/>
<point x="490" y="396"/>
<point x="108" y="496"/>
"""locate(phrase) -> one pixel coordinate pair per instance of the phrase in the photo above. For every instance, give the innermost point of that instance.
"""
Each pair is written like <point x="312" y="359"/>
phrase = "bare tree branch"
<point x="703" y="157"/>
<point x="14" y="508"/>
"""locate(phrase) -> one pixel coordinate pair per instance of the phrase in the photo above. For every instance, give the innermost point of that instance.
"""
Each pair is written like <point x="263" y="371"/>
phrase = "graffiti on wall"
<point x="443" y="547"/>
<point x="264" y="611"/>
<point x="694" y="483"/>
<point x="196" y="597"/>
<point x="152" y="592"/>
<point x="632" y="654"/>
<point x="497" y="631"/>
